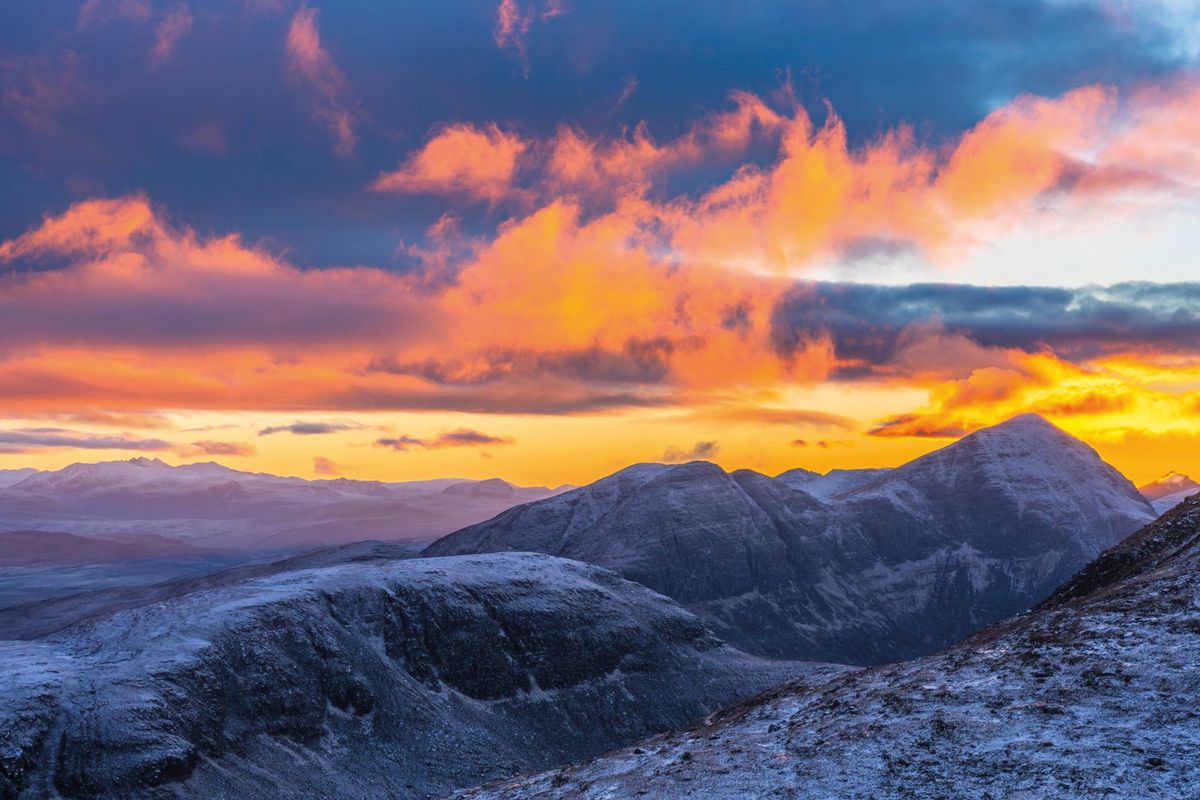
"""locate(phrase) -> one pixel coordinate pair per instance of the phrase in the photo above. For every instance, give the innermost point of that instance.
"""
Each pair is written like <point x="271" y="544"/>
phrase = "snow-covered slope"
<point x="907" y="563"/>
<point x="832" y="483"/>
<point x="1169" y="491"/>
<point x="363" y="680"/>
<point x="988" y="526"/>
<point x="1091" y="695"/>
<point x="8" y="477"/>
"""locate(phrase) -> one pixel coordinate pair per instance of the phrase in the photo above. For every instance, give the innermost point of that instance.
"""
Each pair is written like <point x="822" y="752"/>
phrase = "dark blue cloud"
<point x="868" y="323"/>
<point x="120" y="126"/>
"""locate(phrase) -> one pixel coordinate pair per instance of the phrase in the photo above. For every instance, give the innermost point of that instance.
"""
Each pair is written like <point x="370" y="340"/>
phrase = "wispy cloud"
<point x="174" y="26"/>
<point x="308" y="59"/>
<point x="513" y="22"/>
<point x="463" y="437"/>
<point x="211" y="448"/>
<point x="28" y="440"/>
<point x="309" y="428"/>
<point x="700" y="451"/>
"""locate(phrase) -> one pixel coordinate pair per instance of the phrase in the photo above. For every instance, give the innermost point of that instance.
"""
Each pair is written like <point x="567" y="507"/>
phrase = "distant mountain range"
<point x="143" y="521"/>
<point x="213" y="506"/>
<point x="878" y="566"/>
<point x="1090" y="695"/>
<point x="357" y="677"/>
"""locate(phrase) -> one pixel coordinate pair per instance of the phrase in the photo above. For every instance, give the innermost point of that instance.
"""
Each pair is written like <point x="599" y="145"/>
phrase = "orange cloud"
<point x="461" y="159"/>
<point x="572" y="305"/>
<point x="1094" y="400"/>
<point x="578" y="162"/>
<point x="822" y="196"/>
<point x="1022" y="150"/>
<point x="308" y="59"/>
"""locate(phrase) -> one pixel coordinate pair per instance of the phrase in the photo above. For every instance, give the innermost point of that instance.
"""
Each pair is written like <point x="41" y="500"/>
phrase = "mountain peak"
<point x="1028" y="423"/>
<point x="142" y="461"/>
<point x="1171" y="482"/>
<point x="1168" y="490"/>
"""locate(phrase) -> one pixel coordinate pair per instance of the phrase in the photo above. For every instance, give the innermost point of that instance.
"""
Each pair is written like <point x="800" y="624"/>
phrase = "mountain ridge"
<point x="905" y="563"/>
<point x="403" y="677"/>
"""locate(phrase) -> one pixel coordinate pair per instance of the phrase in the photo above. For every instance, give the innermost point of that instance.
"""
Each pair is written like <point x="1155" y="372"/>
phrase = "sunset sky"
<point x="544" y="240"/>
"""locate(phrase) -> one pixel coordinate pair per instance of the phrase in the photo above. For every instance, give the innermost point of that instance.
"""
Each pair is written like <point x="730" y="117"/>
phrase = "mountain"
<point x="359" y="680"/>
<point x="1090" y="695"/>
<point x="37" y="565"/>
<point x="225" y="515"/>
<point x="215" y="506"/>
<point x="42" y="616"/>
<point x="989" y="526"/>
<point x="10" y="476"/>
<point x="1169" y="490"/>
<point x="28" y="548"/>
<point x="832" y="483"/>
<point x="913" y="559"/>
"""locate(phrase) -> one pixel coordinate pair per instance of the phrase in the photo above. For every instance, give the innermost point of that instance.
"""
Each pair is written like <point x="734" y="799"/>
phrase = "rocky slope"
<point x="906" y="563"/>
<point x="1091" y="695"/>
<point x="381" y="678"/>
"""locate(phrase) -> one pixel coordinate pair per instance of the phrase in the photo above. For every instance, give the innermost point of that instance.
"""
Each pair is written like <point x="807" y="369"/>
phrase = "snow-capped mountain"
<point x="358" y="680"/>
<point x="834" y="482"/>
<point x="8" y="477"/>
<point x="224" y="516"/>
<point x="910" y="561"/>
<point x="212" y="505"/>
<point x="1169" y="491"/>
<point x="988" y="526"/>
<point x="1091" y="695"/>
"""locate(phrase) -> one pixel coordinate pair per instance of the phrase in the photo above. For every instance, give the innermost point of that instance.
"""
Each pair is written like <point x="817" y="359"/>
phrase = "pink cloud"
<point x="325" y="467"/>
<point x="175" y="25"/>
<point x="315" y="68"/>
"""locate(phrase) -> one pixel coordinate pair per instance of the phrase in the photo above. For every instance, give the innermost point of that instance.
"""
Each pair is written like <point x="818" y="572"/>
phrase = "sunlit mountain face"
<point x="545" y="239"/>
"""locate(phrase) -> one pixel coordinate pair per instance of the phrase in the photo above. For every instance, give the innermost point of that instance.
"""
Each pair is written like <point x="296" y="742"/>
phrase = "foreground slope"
<point x="399" y="679"/>
<point x="1091" y="695"/>
<point x="903" y="564"/>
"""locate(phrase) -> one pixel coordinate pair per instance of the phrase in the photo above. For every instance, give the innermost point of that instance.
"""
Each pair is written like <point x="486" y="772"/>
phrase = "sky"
<point x="545" y="239"/>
